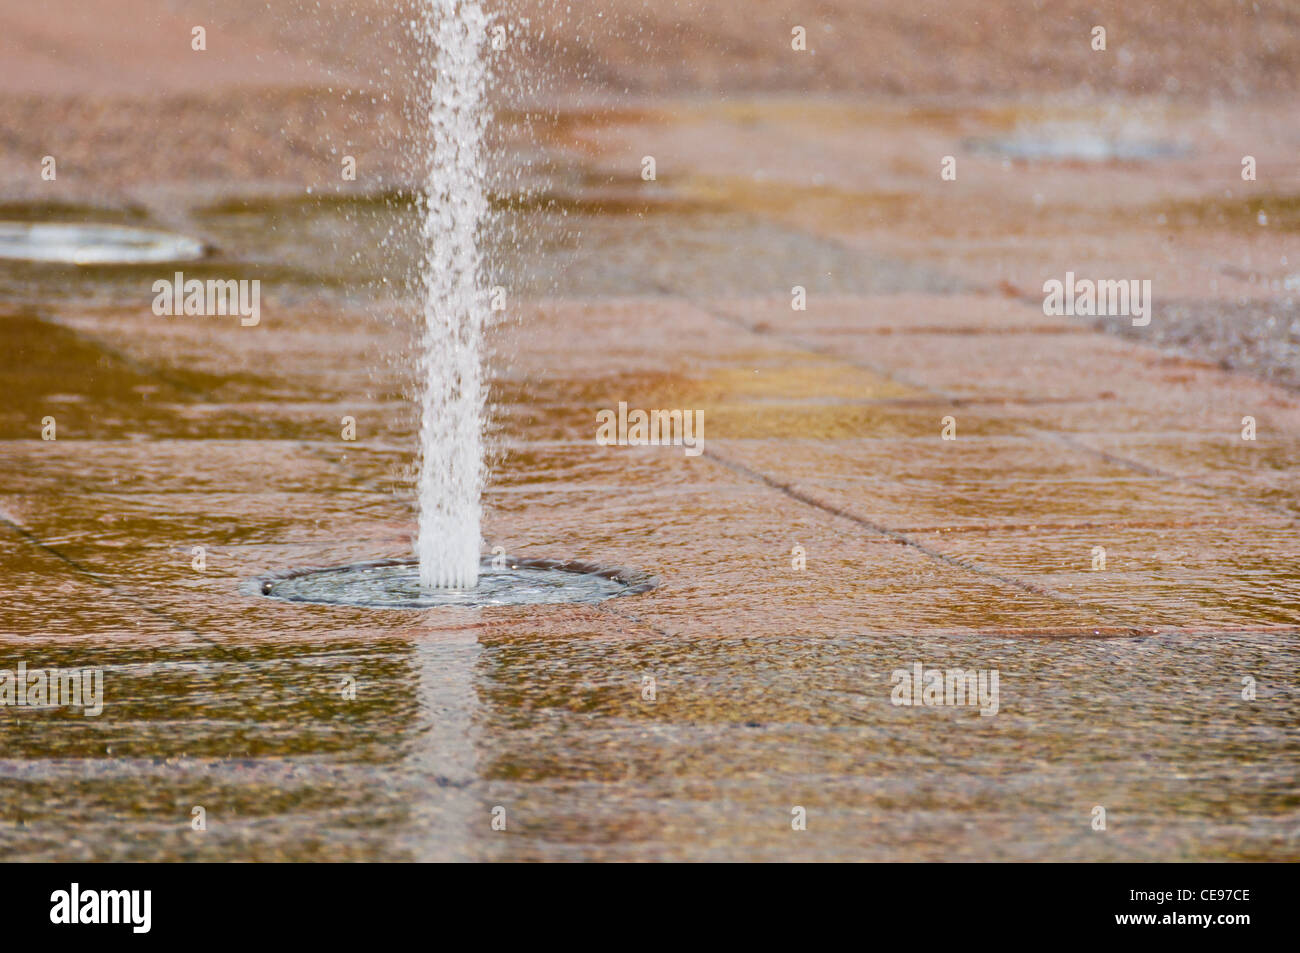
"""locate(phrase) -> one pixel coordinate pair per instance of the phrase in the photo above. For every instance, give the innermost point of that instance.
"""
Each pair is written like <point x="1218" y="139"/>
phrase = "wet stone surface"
<point x="194" y="455"/>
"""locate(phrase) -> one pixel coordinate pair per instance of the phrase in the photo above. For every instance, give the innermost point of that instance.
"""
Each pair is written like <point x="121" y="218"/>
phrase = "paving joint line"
<point x="905" y="540"/>
<point x="33" y="540"/>
<point x="1028" y="427"/>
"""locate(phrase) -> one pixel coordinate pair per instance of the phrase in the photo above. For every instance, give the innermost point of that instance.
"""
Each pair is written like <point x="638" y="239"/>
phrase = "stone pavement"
<point x="1121" y="686"/>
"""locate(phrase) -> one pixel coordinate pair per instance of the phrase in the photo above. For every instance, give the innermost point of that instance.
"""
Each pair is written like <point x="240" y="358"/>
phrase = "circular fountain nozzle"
<point x="75" y="244"/>
<point x="395" y="584"/>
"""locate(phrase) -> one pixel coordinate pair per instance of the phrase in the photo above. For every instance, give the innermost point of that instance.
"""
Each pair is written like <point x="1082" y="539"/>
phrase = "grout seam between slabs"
<point x="1028" y="427"/>
<point x="903" y="539"/>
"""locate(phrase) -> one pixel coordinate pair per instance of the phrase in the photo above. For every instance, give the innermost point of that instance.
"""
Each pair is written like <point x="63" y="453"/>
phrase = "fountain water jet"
<point x="455" y="208"/>
<point x="448" y="570"/>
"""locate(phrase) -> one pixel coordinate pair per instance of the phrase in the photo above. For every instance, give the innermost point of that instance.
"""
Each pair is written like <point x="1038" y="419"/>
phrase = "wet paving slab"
<point x="826" y="537"/>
